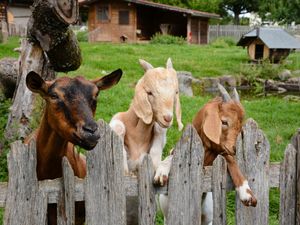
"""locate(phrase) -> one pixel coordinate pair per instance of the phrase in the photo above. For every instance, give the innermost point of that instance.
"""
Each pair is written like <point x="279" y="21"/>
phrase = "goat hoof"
<point x="251" y="202"/>
<point x="161" y="180"/>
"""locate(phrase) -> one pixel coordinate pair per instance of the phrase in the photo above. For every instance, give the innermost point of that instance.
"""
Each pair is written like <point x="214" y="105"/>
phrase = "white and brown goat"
<point x="218" y="124"/>
<point x="143" y="127"/>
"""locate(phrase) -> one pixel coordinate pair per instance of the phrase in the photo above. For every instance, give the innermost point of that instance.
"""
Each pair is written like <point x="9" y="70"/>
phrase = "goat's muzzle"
<point x="87" y="136"/>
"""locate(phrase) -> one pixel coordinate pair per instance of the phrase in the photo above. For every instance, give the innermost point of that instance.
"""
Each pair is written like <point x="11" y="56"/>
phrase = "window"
<point x="124" y="17"/>
<point x="103" y="13"/>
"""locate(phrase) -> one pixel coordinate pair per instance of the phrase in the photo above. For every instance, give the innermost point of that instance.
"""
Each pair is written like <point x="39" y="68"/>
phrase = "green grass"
<point x="279" y="119"/>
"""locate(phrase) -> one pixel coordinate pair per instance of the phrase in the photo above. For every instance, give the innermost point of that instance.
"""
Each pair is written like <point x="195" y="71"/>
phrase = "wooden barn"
<point x="138" y="20"/>
<point x="263" y="43"/>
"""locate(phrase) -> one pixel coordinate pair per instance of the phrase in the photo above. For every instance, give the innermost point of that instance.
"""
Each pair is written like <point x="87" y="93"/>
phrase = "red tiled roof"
<point x="191" y="12"/>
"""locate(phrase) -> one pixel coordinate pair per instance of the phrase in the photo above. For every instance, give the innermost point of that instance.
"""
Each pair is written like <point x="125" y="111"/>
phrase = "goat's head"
<point x="155" y="95"/>
<point x="71" y="105"/>
<point x="222" y="122"/>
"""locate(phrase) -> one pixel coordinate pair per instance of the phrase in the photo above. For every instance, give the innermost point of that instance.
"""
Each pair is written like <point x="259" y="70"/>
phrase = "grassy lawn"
<point x="278" y="118"/>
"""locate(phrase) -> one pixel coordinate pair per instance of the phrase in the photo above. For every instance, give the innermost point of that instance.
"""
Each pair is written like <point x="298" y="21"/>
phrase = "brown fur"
<point x="220" y="139"/>
<point x="67" y="120"/>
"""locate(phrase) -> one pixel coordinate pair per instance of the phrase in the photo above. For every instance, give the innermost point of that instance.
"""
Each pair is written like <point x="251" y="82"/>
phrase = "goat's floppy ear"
<point x="109" y="80"/>
<point x="146" y="66"/>
<point x="169" y="64"/>
<point x="36" y="84"/>
<point x="141" y="104"/>
<point x="178" y="112"/>
<point x="212" y="126"/>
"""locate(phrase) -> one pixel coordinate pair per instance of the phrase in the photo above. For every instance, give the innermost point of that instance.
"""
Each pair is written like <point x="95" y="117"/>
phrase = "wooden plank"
<point x="288" y="187"/>
<point x="52" y="188"/>
<point x="104" y="190"/>
<point x="185" y="188"/>
<point x="147" y="203"/>
<point x="66" y="203"/>
<point x="296" y="143"/>
<point x="219" y="182"/>
<point x="23" y="192"/>
<point x="253" y="153"/>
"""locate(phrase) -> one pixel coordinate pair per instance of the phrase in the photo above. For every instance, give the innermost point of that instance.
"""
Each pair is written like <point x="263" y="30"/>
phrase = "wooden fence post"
<point x="288" y="187"/>
<point x="185" y="187"/>
<point x="219" y="182"/>
<point x="25" y="204"/>
<point x="253" y="153"/>
<point x="147" y="203"/>
<point x="296" y="143"/>
<point x="66" y="202"/>
<point x="105" y="190"/>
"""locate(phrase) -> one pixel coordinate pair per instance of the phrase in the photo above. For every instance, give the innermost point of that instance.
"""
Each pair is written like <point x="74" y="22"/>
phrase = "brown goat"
<point x="218" y="124"/>
<point x="67" y="121"/>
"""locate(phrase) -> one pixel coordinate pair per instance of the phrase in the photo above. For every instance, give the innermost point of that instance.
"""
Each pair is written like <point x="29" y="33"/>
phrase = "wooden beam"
<point x="53" y="188"/>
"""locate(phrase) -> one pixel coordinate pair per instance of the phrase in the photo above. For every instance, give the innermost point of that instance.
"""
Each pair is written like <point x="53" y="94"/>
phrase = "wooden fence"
<point x="105" y="188"/>
<point x="237" y="31"/>
<point x="233" y="31"/>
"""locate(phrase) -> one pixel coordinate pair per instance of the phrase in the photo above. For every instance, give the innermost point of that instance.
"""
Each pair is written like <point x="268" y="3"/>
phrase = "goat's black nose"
<point x="90" y="127"/>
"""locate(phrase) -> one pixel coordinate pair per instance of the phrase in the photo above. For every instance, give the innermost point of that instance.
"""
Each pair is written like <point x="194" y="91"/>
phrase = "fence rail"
<point x="104" y="190"/>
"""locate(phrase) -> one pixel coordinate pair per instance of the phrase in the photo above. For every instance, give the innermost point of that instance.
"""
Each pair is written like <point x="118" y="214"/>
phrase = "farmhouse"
<point x="139" y="20"/>
<point x="268" y="43"/>
<point x="15" y="13"/>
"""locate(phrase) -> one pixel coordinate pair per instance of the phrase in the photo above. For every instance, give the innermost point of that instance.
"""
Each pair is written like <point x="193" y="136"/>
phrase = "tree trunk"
<point x="51" y="46"/>
<point x="236" y="18"/>
<point x="49" y="26"/>
<point x="8" y="76"/>
<point x="31" y="59"/>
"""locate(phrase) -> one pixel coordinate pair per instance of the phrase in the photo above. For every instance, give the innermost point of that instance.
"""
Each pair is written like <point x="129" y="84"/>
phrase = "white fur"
<point x="119" y="127"/>
<point x="162" y="170"/>
<point x="207" y="209"/>
<point x="242" y="191"/>
<point x="159" y="141"/>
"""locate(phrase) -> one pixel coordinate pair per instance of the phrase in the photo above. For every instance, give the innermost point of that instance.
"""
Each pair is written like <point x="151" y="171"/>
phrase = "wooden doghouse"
<point x="263" y="43"/>
<point x="139" y="20"/>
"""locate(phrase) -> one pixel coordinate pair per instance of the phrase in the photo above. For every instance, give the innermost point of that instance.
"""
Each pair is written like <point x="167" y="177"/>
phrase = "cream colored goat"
<point x="143" y="127"/>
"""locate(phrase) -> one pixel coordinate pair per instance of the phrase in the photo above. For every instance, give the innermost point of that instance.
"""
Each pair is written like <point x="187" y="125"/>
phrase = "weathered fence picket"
<point x="253" y="153"/>
<point x="296" y="143"/>
<point x="288" y="187"/>
<point x="105" y="188"/>
<point x="185" y="180"/>
<point x="104" y="191"/>
<point x="219" y="181"/>
<point x="147" y="204"/>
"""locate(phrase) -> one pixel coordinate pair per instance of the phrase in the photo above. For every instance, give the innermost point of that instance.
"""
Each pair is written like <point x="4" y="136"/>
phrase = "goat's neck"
<point x="144" y="129"/>
<point x="139" y="135"/>
<point x="51" y="148"/>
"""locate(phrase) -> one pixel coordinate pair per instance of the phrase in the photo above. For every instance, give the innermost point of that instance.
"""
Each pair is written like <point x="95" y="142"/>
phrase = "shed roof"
<point x="191" y="12"/>
<point x="272" y="37"/>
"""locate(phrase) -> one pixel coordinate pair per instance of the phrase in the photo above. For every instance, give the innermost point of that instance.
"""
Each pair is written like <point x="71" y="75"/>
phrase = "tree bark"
<point x="51" y="46"/>
<point x="8" y="76"/>
<point x="49" y="26"/>
<point x="31" y="59"/>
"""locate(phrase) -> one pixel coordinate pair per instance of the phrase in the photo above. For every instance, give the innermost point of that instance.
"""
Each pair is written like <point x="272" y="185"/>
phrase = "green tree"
<point x="238" y="7"/>
<point x="282" y="11"/>
<point x="202" y="5"/>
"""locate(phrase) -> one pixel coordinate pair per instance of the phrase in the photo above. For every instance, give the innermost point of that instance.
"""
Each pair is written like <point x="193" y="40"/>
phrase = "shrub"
<point x="82" y="36"/>
<point x="223" y="42"/>
<point x="167" y="39"/>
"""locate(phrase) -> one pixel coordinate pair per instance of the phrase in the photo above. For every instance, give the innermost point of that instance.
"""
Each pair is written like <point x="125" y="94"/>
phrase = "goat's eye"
<point x="225" y="123"/>
<point x="149" y="93"/>
<point x="53" y="96"/>
<point x="176" y="92"/>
